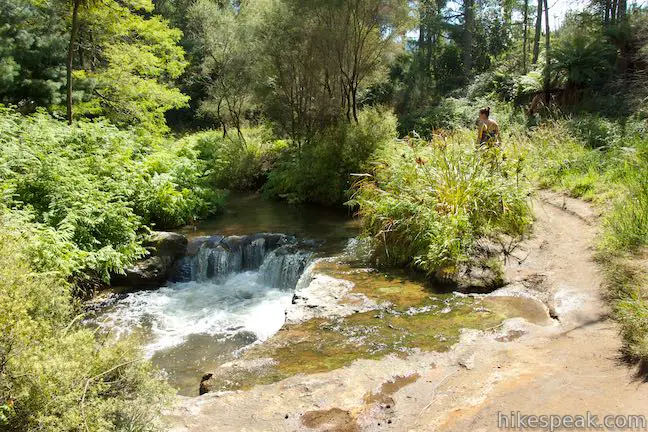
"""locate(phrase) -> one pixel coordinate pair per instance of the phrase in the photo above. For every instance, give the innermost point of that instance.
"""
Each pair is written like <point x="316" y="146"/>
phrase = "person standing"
<point x="488" y="132"/>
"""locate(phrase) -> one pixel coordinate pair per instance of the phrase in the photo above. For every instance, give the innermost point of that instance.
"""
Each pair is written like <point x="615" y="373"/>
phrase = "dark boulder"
<point x="165" y="249"/>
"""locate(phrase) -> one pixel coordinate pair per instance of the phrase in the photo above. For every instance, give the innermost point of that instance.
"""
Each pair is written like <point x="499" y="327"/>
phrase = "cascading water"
<point x="224" y="286"/>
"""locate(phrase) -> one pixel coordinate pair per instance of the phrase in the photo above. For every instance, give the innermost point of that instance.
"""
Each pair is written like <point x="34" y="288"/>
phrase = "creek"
<point x="229" y="297"/>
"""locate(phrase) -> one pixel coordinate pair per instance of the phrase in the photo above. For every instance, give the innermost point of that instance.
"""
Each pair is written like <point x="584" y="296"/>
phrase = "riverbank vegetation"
<point x="124" y="117"/>
<point x="614" y="177"/>
<point x="427" y="203"/>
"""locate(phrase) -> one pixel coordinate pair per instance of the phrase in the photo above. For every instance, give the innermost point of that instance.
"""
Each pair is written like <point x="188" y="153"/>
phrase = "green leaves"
<point x="427" y="203"/>
<point x="137" y="59"/>
<point x="56" y="375"/>
<point x="92" y="189"/>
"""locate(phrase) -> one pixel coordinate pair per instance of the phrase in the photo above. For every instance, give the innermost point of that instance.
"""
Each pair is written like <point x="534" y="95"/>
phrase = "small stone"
<point x="468" y="362"/>
<point x="388" y="421"/>
<point x="286" y="417"/>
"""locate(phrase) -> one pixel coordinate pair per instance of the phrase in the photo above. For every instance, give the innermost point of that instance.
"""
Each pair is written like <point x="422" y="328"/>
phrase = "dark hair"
<point x="485" y="111"/>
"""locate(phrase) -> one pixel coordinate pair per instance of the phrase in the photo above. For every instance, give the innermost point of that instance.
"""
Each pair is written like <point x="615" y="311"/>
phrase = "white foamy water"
<point x="170" y="314"/>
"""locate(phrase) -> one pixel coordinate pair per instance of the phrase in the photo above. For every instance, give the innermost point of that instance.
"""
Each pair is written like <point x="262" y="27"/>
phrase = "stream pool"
<point x="239" y="283"/>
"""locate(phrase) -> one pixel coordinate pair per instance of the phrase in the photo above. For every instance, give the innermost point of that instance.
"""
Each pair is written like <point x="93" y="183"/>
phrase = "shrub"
<point x="175" y="188"/>
<point x="54" y="374"/>
<point x="237" y="162"/>
<point x="627" y="224"/>
<point x="427" y="203"/>
<point x="97" y="186"/>
<point x="321" y="172"/>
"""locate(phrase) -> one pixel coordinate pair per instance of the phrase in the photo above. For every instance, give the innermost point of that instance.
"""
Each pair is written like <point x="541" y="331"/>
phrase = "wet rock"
<point x="167" y="244"/>
<point x="165" y="249"/>
<point x="96" y="304"/>
<point x="483" y="278"/>
<point x="232" y="375"/>
<point x="483" y="272"/>
<point x="322" y="295"/>
<point x="203" y="386"/>
<point x="467" y="362"/>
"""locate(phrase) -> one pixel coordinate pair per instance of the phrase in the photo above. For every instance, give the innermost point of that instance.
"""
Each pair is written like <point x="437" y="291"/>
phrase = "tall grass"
<point x="427" y="203"/>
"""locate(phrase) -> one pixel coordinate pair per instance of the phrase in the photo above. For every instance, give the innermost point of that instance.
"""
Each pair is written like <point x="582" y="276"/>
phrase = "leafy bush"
<point x="174" y="188"/>
<point x="234" y="162"/>
<point x="556" y="160"/>
<point x="321" y="172"/>
<point x="427" y="203"/>
<point x="54" y="374"/>
<point x="97" y="186"/>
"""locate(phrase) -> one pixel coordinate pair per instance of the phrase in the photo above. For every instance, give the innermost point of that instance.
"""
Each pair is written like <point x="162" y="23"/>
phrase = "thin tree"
<point x="525" y="35"/>
<point x="547" y="72"/>
<point x="469" y="18"/>
<point x="76" y="4"/>
<point x="538" y="31"/>
<point x="608" y="6"/>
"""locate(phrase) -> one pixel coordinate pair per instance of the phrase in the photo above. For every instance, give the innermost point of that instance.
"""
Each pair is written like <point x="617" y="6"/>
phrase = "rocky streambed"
<point x="224" y="312"/>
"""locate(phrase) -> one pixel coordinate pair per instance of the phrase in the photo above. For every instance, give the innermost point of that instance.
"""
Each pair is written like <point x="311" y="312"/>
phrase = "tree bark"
<point x="538" y="31"/>
<point x="606" y="18"/>
<point x="468" y="36"/>
<point x="525" y="36"/>
<point x="623" y="7"/>
<point x="547" y="73"/>
<point x="70" y="57"/>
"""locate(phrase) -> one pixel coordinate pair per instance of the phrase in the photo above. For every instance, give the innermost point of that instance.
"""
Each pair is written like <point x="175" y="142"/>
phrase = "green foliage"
<point x="226" y="69"/>
<point x="54" y="374"/>
<point x="427" y="203"/>
<point x="97" y="186"/>
<point x="584" y="58"/>
<point x="319" y="57"/>
<point x="458" y="113"/>
<point x="627" y="289"/>
<point x="125" y="62"/>
<point x="238" y="163"/>
<point x="32" y="54"/>
<point x="137" y="59"/>
<point x="627" y="223"/>
<point x="322" y="171"/>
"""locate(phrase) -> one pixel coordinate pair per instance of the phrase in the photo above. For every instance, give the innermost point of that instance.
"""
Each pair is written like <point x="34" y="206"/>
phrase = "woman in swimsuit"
<point x="487" y="130"/>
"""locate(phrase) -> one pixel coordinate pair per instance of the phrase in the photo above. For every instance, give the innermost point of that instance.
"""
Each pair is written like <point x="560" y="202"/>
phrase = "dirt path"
<point x="569" y="366"/>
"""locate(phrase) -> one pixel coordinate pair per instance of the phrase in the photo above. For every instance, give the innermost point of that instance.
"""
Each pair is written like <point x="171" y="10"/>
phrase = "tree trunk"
<point x="538" y="31"/>
<point x="608" y="6"/>
<point x="547" y="73"/>
<point x="355" y="102"/>
<point x="468" y="36"/>
<point x="525" y="36"/>
<point x="623" y="7"/>
<point x="70" y="57"/>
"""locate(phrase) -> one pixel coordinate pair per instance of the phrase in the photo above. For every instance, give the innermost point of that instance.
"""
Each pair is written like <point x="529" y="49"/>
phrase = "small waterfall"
<point x="223" y="286"/>
<point x="276" y="257"/>
<point x="283" y="267"/>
